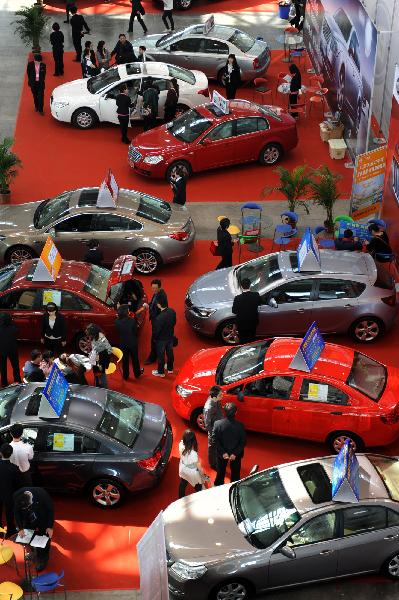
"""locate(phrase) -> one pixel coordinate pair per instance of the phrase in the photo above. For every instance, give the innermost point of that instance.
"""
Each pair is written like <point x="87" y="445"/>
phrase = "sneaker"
<point x="156" y="374"/>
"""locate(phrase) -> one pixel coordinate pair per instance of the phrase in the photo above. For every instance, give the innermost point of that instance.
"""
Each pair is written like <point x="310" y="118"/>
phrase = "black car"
<point x="104" y="443"/>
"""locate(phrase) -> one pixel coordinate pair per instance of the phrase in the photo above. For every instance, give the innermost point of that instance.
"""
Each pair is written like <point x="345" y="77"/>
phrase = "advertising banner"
<point x="342" y="43"/>
<point x="54" y="394"/>
<point x="308" y="253"/>
<point x="368" y="184"/>
<point x="49" y="263"/>
<point x="220" y="102"/>
<point x="309" y="352"/>
<point x="209" y="24"/>
<point x="151" y="552"/>
<point x="108" y="192"/>
<point x="345" y="480"/>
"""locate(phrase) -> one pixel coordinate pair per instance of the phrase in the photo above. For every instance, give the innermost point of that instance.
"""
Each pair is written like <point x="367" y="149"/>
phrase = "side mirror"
<point x="273" y="303"/>
<point x="240" y="396"/>
<point x="52" y="232"/>
<point x="287" y="552"/>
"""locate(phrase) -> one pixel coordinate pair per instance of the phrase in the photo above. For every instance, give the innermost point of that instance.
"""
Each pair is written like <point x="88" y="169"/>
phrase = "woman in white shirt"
<point x="190" y="470"/>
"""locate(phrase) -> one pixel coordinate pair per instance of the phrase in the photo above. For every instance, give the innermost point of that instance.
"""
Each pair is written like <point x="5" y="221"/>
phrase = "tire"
<point x="82" y="343"/>
<point x="148" y="261"/>
<point x="18" y="254"/>
<point x="184" y="4"/>
<point x="390" y="568"/>
<point x="367" y="330"/>
<point x="183" y="164"/>
<point x="197" y="419"/>
<point x="84" y="118"/>
<point x="232" y="590"/>
<point x="270" y="154"/>
<point x="227" y="333"/>
<point x="336" y="439"/>
<point x="221" y="77"/>
<point x="106" y="493"/>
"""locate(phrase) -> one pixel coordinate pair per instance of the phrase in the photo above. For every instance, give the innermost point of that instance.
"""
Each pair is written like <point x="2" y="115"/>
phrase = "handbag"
<point x="213" y="248"/>
<point x="175" y="341"/>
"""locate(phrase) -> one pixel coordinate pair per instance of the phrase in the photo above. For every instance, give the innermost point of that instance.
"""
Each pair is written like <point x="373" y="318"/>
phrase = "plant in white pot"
<point x="31" y="25"/>
<point x="9" y="163"/>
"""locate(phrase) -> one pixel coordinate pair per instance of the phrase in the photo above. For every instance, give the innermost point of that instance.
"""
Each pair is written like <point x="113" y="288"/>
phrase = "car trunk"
<point x="261" y="54"/>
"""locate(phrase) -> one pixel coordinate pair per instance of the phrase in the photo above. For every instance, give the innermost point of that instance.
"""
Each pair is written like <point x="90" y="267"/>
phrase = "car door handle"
<point x="391" y="537"/>
<point x="348" y="305"/>
<point x="278" y="407"/>
<point x="336" y="413"/>
<point x="301" y="310"/>
<point x="129" y="237"/>
<point x="325" y="552"/>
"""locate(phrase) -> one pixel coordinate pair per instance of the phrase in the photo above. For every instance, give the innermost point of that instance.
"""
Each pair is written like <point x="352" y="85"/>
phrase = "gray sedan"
<point x="349" y="295"/>
<point x="155" y="231"/>
<point x="192" y="49"/>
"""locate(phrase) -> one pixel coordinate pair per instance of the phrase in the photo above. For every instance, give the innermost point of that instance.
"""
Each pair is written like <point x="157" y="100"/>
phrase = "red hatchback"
<point x="203" y="138"/>
<point x="85" y="294"/>
<point x="347" y="394"/>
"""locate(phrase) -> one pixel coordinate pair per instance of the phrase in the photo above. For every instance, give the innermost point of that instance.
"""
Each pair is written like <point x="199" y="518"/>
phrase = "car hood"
<point x="199" y="371"/>
<point x="200" y="528"/>
<point x="78" y="87"/>
<point x="18" y="217"/>
<point x="213" y="289"/>
<point x="157" y="140"/>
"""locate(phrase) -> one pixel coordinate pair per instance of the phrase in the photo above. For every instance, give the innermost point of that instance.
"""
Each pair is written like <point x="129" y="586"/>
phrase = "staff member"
<point x="78" y="23"/>
<point x="123" y="51"/>
<point x="57" y="42"/>
<point x="128" y="343"/>
<point x="213" y="412"/>
<point x="245" y="306"/>
<point x="123" y="106"/>
<point x="53" y="329"/>
<point x="158" y="293"/>
<point x="232" y="77"/>
<point x="10" y="482"/>
<point x="230" y="439"/>
<point x="295" y="86"/>
<point x="225" y="244"/>
<point x="163" y="332"/>
<point x="36" y="71"/>
<point x="178" y="185"/>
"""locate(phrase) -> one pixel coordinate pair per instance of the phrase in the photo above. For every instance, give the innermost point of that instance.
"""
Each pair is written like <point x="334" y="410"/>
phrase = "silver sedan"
<point x="155" y="231"/>
<point x="192" y="49"/>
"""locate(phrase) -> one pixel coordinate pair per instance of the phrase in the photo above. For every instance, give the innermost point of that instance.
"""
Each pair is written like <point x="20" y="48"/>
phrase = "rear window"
<point x="367" y="376"/>
<point x="122" y="419"/>
<point x="388" y="470"/>
<point x="316" y="482"/>
<point x="97" y="284"/>
<point x="242" y="41"/>
<point x="154" y="209"/>
<point x="182" y="74"/>
<point x="8" y="398"/>
<point x="242" y="362"/>
<point x="6" y="277"/>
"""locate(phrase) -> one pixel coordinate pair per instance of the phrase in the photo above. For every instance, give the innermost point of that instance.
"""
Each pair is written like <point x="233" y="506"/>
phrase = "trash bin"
<point x="284" y="11"/>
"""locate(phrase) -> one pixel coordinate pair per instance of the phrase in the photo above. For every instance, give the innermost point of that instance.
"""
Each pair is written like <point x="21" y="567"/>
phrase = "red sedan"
<point x="347" y="394"/>
<point x="85" y="294"/>
<point x="203" y="138"/>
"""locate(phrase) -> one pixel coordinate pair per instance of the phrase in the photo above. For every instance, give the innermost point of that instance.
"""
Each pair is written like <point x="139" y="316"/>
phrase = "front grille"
<point x="134" y="154"/>
<point x="188" y="301"/>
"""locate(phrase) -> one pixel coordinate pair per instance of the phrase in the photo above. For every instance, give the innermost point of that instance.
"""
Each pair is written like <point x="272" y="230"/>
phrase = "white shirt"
<point x="22" y="453"/>
<point x="168" y="4"/>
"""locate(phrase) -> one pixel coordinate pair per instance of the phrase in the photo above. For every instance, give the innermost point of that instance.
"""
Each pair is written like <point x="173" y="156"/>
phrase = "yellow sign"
<point x="63" y="442"/>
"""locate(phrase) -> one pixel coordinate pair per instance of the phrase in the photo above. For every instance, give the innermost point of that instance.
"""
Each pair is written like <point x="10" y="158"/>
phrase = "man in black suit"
<point x="123" y="51"/>
<point x="36" y="71"/>
<point x="245" y="306"/>
<point x="178" y="185"/>
<point x="126" y="327"/>
<point x="11" y="480"/>
<point x="153" y="311"/>
<point x="229" y="437"/>
<point x="163" y="331"/>
<point x="78" y="24"/>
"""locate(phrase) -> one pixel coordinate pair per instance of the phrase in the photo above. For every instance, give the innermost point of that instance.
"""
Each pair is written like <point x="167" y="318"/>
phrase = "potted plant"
<point x="325" y="193"/>
<point x="294" y="185"/>
<point x="8" y="168"/>
<point x="31" y="25"/>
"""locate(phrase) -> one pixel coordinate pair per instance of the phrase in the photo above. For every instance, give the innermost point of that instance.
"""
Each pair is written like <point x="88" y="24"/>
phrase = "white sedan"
<point x="85" y="102"/>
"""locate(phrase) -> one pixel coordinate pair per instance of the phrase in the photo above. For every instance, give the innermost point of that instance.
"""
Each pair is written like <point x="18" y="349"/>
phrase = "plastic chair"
<point x="262" y="90"/>
<point x="283" y="235"/>
<point x="6" y="552"/>
<point x="296" y="53"/>
<point x="10" y="591"/>
<point x="251" y="227"/>
<point x="291" y="215"/>
<point x="320" y="99"/>
<point x="112" y="365"/>
<point x="48" y="582"/>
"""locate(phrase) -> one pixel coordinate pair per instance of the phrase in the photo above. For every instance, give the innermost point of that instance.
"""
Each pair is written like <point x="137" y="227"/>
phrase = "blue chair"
<point x="283" y="235"/>
<point x="251" y="228"/>
<point x="48" y="582"/>
<point x="323" y="243"/>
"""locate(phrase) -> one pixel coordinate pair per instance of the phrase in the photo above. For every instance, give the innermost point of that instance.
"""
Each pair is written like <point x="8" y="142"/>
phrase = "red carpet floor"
<point x="55" y="155"/>
<point x="97" y="548"/>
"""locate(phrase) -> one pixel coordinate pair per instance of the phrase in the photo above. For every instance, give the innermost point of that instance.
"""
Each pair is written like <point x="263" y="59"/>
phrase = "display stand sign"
<point x="151" y="552"/>
<point x="209" y="24"/>
<point x="368" y="184"/>
<point x="308" y="253"/>
<point x="221" y="103"/>
<point x="345" y="479"/>
<point x="54" y="394"/>
<point x="108" y="192"/>
<point x="49" y="263"/>
<point x="309" y="351"/>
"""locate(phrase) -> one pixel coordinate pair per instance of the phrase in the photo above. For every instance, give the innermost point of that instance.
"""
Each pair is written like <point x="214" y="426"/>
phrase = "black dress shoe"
<point x="126" y="141"/>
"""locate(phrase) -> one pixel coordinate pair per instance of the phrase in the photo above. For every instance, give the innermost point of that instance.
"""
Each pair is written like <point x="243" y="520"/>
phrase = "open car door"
<point x="123" y="287"/>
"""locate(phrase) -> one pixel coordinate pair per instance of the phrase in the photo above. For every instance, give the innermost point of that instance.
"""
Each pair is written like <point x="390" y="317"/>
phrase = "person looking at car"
<point x="100" y="354"/>
<point x="164" y="336"/>
<point x="172" y="99"/>
<point x="8" y="349"/>
<point x="348" y="242"/>
<point x="11" y="481"/>
<point x="78" y="23"/>
<point x="213" y="412"/>
<point x="126" y="327"/>
<point x="53" y="329"/>
<point x="178" y="183"/>
<point x="57" y="42"/>
<point x="295" y="86"/>
<point x="36" y="72"/>
<point x="94" y="255"/>
<point x="225" y="244"/>
<point x="124" y="105"/>
<point x="245" y="307"/>
<point x="47" y="362"/>
<point x="190" y="470"/>
<point x="103" y="56"/>
<point x="150" y="104"/>
<point x="379" y="244"/>
<point x="32" y="371"/>
<point x="141" y="55"/>
<point x="137" y="12"/>
<point x="168" y="14"/>
<point x="158" y="293"/>
<point x="231" y="77"/>
<point x="22" y="454"/>
<point x="230" y="439"/>
<point x="123" y="51"/>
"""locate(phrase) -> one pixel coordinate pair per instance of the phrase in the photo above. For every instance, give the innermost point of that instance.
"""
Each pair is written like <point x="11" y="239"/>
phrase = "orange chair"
<point x="315" y="83"/>
<point x="262" y="90"/>
<point x="299" y="108"/>
<point x="319" y="99"/>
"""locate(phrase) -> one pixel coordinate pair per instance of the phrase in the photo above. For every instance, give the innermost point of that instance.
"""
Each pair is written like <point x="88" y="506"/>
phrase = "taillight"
<point x="392" y="417"/>
<point x="150" y="464"/>
<point x="255" y="63"/>
<point x="180" y="236"/>
<point x="204" y="92"/>
<point x="390" y="300"/>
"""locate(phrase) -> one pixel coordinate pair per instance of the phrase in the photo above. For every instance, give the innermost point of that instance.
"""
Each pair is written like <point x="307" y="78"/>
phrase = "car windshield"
<point x="100" y="82"/>
<point x="368" y="376"/>
<point x="181" y="74"/>
<point x="154" y="209"/>
<point x="97" y="284"/>
<point x="122" y="419"/>
<point x="169" y="38"/>
<point x="242" y="41"/>
<point x="50" y="211"/>
<point x="8" y="398"/>
<point x="261" y="272"/>
<point x="6" y="276"/>
<point x="242" y="362"/>
<point x="262" y="508"/>
<point x="189" y="126"/>
<point x="388" y="470"/>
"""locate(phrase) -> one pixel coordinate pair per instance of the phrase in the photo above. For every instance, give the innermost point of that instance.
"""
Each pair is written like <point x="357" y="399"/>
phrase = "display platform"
<point x="56" y="156"/>
<point x="96" y="548"/>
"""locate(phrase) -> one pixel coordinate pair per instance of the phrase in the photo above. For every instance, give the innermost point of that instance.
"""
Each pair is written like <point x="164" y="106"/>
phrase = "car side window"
<point x="214" y="47"/>
<point x="113" y="92"/>
<point x="10" y="300"/>
<point x="263" y="125"/>
<point x="29" y="436"/>
<point x="77" y="223"/>
<point x="316" y="391"/>
<point x="110" y="222"/>
<point x="295" y="291"/>
<point x="247" y="125"/>
<point x="186" y="45"/>
<point x="61" y="440"/>
<point x="363" y="519"/>
<point x="221" y="132"/>
<point x="320" y="529"/>
<point x="393" y="518"/>
<point x="271" y="387"/>
<point x="335" y="289"/>
<point x="27" y="300"/>
<point x="70" y="301"/>
<point x="161" y="84"/>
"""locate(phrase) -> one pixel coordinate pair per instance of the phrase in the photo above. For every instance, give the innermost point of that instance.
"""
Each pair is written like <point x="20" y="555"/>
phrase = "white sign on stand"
<point x="151" y="552"/>
<point x="220" y="102"/>
<point x="108" y="192"/>
<point x="209" y="24"/>
<point x="308" y="253"/>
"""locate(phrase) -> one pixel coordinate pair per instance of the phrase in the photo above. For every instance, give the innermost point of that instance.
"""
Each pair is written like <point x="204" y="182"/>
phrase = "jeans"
<point x="235" y="468"/>
<point x="100" y="380"/>
<point x="13" y="358"/>
<point x="165" y="347"/>
<point x="167" y="14"/>
<point x="182" y="487"/>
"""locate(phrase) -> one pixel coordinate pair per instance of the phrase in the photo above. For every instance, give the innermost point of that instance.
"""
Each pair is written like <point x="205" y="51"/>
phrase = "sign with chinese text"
<point x="368" y="184"/>
<point x="54" y="394"/>
<point x="220" y="102"/>
<point x="108" y="192"/>
<point x="309" y="351"/>
<point x="308" y="253"/>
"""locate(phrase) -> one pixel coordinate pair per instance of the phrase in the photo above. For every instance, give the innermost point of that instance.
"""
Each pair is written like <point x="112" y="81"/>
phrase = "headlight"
<point x="184" y="571"/>
<point x="153" y="160"/>
<point x="204" y="312"/>
<point x="60" y="104"/>
<point x="183" y="392"/>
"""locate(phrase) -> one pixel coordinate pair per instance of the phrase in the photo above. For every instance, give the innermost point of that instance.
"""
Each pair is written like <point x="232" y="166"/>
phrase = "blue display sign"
<point x="56" y="390"/>
<point x="345" y="477"/>
<point x="312" y="346"/>
<point x="308" y="253"/>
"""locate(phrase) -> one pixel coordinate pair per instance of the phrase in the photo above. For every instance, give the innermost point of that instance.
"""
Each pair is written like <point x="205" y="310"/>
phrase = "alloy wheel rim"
<point x="340" y="440"/>
<point x="271" y="155"/>
<point x="393" y="566"/>
<point x="230" y="334"/>
<point x="201" y="422"/>
<point x="185" y="3"/>
<point x="84" y="120"/>
<point x="106" y="494"/>
<point x="367" y="330"/>
<point x="232" y="591"/>
<point x="146" y="262"/>
<point x="20" y="255"/>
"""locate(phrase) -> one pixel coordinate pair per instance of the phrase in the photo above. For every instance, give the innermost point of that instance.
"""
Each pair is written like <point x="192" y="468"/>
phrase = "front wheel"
<point x="147" y="261"/>
<point x="82" y="344"/>
<point x="84" y="118"/>
<point x="106" y="493"/>
<point x="270" y="154"/>
<point x="232" y="590"/>
<point x="228" y="333"/>
<point x="337" y="439"/>
<point x="391" y="567"/>
<point x="366" y="330"/>
<point x="184" y="4"/>
<point x="197" y="419"/>
<point x="18" y="254"/>
<point x="178" y="164"/>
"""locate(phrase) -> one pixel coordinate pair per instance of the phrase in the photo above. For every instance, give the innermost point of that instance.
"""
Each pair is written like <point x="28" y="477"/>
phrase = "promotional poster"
<point x="368" y="184"/>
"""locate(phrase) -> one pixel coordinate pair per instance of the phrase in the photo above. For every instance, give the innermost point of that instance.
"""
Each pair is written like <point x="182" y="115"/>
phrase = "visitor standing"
<point x="68" y="6"/>
<point x="348" y="242"/>
<point x="150" y="104"/>
<point x="8" y="349"/>
<point x="57" y="42"/>
<point x="123" y="51"/>
<point x="141" y="57"/>
<point x="379" y="246"/>
<point x="213" y="412"/>
<point x="123" y="107"/>
<point x="295" y="86"/>
<point x="36" y="71"/>
<point x="94" y="255"/>
<point x="172" y="99"/>
<point x="245" y="307"/>
<point x="158" y="293"/>
<point x="137" y="12"/>
<point x="190" y="471"/>
<point x="126" y="327"/>
<point x="10" y="483"/>
<point x="178" y="184"/>
<point x="78" y="23"/>
<point x="229" y="438"/>
<point x="164" y="337"/>
<point x="168" y="14"/>
<point x="101" y="351"/>
<point x="225" y="244"/>
<point x="231" y="76"/>
<point x="103" y="56"/>
<point x="53" y="329"/>
<point x="22" y="454"/>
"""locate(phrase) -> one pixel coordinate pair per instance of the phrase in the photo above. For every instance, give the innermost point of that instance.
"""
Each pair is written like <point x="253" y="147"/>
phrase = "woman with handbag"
<point x="137" y="11"/>
<point x="190" y="470"/>
<point x="101" y="351"/>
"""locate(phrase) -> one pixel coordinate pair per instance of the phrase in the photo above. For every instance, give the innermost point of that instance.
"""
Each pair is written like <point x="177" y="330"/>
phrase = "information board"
<point x="49" y="263"/>
<point x="151" y="553"/>
<point x="308" y="253"/>
<point x="368" y="184"/>
<point x="309" y="351"/>
<point x="345" y="479"/>
<point x="220" y="102"/>
<point x="108" y="192"/>
<point x="54" y="394"/>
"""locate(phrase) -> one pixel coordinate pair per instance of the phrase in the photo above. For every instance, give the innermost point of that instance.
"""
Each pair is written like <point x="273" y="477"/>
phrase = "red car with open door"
<point x="85" y="294"/>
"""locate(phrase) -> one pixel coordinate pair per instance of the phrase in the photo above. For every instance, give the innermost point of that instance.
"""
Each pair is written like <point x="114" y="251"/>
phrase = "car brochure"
<point x="26" y="538"/>
<point x="39" y="541"/>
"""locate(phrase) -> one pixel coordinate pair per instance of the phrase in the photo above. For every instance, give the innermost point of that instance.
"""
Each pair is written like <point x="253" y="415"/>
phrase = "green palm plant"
<point x="31" y="25"/>
<point x="8" y="164"/>
<point x="294" y="185"/>
<point x="324" y="191"/>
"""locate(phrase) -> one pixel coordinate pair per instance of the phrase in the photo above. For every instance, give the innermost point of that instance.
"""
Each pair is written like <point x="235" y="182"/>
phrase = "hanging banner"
<point x="54" y="394"/>
<point x="151" y="553"/>
<point x="108" y="192"/>
<point x="309" y="351"/>
<point x="345" y="479"/>
<point x="209" y="24"/>
<point x="368" y="184"/>
<point x="49" y="263"/>
<point x="308" y="253"/>
<point x="220" y="102"/>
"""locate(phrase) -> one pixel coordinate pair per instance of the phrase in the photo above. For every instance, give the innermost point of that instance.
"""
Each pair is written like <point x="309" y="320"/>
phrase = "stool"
<point x="337" y="149"/>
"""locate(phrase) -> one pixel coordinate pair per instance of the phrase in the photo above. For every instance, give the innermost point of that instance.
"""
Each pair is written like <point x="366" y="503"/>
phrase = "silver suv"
<point x="349" y="295"/>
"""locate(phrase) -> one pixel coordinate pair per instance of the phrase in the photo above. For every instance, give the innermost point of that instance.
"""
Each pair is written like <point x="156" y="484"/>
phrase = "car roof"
<point x="336" y="263"/>
<point x="220" y="32"/>
<point x="86" y="198"/>
<point x="335" y="361"/>
<point x="72" y="275"/>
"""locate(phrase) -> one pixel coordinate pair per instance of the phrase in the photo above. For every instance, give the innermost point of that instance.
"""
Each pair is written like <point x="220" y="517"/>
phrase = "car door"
<point x="25" y="310"/>
<point x="162" y="85"/>
<point x="184" y="52"/>
<point x="116" y="234"/>
<point x="316" y="547"/>
<point x="292" y="310"/>
<point x="77" y="312"/>
<point x="107" y="104"/>
<point x="72" y="236"/>
<point x="249" y="139"/>
<point x="217" y="148"/>
<point x="211" y="57"/>
<point x="335" y="304"/>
